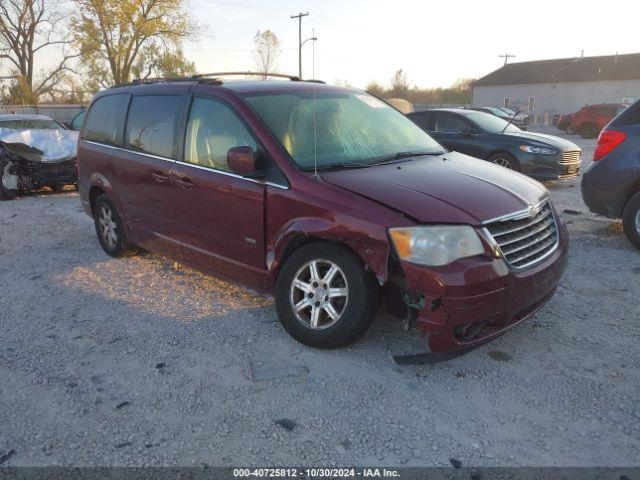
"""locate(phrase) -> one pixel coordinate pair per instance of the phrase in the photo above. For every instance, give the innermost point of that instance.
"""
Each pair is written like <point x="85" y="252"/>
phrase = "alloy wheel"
<point x="108" y="227"/>
<point x="319" y="294"/>
<point x="502" y="161"/>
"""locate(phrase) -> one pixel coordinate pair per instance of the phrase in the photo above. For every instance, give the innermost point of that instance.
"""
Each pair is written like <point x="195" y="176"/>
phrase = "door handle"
<point x="158" y="177"/>
<point x="184" y="182"/>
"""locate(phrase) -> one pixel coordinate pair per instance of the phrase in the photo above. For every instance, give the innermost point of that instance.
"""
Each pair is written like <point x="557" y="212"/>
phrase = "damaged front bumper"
<point x="473" y="300"/>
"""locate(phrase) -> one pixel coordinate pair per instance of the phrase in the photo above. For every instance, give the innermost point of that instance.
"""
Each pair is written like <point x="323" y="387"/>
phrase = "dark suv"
<point x="611" y="184"/>
<point x="326" y="197"/>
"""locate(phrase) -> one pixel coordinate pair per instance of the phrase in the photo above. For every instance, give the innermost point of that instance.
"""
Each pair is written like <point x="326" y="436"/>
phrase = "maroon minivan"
<point x="327" y="197"/>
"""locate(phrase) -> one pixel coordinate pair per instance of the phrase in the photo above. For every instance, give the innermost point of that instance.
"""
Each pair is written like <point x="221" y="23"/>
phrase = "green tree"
<point x="155" y="62"/>
<point x="117" y="37"/>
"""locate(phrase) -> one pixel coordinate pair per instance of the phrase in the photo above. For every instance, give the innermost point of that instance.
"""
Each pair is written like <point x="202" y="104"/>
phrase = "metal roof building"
<point x="546" y="87"/>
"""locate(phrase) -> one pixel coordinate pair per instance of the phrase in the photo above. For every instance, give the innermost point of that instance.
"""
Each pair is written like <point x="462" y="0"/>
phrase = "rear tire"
<point x="505" y="160"/>
<point x="588" y="130"/>
<point x="324" y="296"/>
<point x="110" y="229"/>
<point x="631" y="220"/>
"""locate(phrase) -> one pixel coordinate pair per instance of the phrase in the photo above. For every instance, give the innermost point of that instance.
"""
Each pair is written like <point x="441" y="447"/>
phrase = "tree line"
<point x="457" y="94"/>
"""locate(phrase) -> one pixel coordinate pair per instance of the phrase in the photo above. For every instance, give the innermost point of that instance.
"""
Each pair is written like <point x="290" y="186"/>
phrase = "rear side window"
<point x="213" y="129"/>
<point x="423" y="120"/>
<point x="151" y="124"/>
<point x="105" y="119"/>
<point x="629" y="116"/>
<point x="447" y="122"/>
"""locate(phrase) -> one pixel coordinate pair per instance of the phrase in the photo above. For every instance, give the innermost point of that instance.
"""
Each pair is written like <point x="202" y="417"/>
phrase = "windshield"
<point x="490" y="123"/>
<point x="30" y="124"/>
<point x="508" y="110"/>
<point x="351" y="128"/>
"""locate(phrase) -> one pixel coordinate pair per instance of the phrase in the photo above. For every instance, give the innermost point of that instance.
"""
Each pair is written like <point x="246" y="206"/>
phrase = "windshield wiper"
<point x="403" y="156"/>
<point x="377" y="160"/>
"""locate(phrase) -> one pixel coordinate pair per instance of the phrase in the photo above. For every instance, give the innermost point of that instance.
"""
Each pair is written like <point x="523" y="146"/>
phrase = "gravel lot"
<point x="143" y="362"/>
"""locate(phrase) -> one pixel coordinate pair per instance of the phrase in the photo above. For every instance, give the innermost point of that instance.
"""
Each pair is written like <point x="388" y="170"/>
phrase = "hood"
<point x="40" y="145"/>
<point x="449" y="188"/>
<point x="545" y="140"/>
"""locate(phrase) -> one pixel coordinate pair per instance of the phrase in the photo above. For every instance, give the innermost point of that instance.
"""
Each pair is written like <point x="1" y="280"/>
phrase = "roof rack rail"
<point x="208" y="78"/>
<point x="151" y="80"/>
<point x="199" y="76"/>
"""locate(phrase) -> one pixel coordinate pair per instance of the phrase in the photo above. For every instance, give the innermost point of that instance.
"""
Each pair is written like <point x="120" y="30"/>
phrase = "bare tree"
<point x="399" y="84"/>
<point x="30" y="29"/>
<point x="267" y="51"/>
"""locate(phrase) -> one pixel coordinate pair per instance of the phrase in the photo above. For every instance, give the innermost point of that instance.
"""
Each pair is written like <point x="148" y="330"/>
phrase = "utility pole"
<point x="299" y="17"/>
<point x="506" y="57"/>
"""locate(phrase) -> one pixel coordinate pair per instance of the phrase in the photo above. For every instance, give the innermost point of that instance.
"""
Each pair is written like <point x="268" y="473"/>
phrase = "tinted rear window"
<point x="151" y="124"/>
<point x="105" y="119"/>
<point x="630" y="116"/>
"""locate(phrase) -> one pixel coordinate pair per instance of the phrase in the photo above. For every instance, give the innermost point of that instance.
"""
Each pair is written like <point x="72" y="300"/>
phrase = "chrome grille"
<point x="570" y="157"/>
<point x="525" y="241"/>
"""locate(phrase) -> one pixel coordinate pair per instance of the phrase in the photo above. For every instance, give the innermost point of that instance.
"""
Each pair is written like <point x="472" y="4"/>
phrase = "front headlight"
<point x="436" y="246"/>
<point x="542" y="150"/>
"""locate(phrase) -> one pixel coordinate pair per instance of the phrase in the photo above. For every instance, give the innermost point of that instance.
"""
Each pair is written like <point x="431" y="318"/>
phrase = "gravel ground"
<point x="143" y="362"/>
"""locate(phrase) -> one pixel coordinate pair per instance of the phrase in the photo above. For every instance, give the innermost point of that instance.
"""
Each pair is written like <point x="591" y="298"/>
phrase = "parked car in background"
<point x="326" y="197"/>
<point x="611" y="184"/>
<point x="589" y="120"/>
<point x="517" y="115"/>
<point x="485" y="136"/>
<point x="76" y="121"/>
<point x="35" y="152"/>
<point x="564" y="121"/>
<point x="518" y="120"/>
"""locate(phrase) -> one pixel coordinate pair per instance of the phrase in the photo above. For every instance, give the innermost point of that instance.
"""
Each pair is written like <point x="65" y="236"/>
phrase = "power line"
<point x="506" y="57"/>
<point x="299" y="17"/>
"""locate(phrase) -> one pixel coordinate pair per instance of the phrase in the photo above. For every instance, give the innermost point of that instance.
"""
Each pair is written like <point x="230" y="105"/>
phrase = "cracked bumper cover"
<point x="480" y="291"/>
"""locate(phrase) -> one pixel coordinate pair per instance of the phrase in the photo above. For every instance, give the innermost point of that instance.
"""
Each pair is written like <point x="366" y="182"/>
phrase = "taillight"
<point x="608" y="140"/>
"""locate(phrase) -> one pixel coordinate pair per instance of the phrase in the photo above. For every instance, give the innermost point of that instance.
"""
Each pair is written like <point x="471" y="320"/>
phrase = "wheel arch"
<point x="94" y="192"/>
<point x="372" y="251"/>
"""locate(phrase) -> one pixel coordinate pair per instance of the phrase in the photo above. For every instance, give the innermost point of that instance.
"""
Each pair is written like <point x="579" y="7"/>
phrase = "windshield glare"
<point x="490" y="123"/>
<point x="350" y="127"/>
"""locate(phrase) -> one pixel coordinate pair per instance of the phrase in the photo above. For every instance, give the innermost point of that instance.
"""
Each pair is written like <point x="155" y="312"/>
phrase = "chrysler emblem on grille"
<point x="533" y="210"/>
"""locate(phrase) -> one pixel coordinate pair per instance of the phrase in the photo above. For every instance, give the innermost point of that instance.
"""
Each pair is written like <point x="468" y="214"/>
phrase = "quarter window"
<point x="104" y="121"/>
<point x="151" y="124"/>
<point x="213" y="128"/>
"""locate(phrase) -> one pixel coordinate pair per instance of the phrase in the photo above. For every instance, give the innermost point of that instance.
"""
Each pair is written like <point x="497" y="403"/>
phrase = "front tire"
<point x="631" y="220"/>
<point x="324" y="296"/>
<point x="110" y="229"/>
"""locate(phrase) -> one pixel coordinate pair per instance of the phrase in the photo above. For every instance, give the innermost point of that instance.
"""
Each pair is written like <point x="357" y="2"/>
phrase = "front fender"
<point x="368" y="241"/>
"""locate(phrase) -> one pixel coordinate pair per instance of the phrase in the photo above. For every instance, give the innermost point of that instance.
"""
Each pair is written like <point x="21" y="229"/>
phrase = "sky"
<point x="436" y="43"/>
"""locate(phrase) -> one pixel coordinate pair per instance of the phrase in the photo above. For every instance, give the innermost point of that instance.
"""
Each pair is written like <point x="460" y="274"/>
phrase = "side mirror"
<point x="243" y="161"/>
